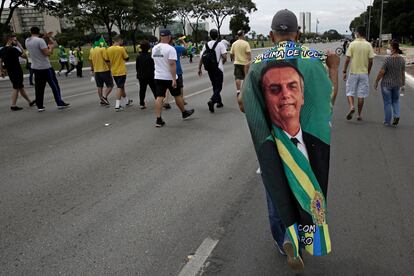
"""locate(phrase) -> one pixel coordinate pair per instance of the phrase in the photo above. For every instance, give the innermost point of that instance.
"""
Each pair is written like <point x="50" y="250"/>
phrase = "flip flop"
<point x="350" y="113"/>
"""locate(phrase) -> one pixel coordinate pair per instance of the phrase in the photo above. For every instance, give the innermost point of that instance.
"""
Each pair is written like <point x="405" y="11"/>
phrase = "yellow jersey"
<point x="117" y="56"/>
<point x="99" y="58"/>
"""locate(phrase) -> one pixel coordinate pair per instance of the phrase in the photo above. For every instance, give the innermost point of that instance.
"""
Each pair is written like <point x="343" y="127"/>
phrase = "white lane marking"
<point x="197" y="261"/>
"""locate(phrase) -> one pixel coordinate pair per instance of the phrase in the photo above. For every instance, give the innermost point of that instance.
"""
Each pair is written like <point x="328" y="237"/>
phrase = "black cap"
<point x="285" y="21"/>
<point x="165" y="32"/>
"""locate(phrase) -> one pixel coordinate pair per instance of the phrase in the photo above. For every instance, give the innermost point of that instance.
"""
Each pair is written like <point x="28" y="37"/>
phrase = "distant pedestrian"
<point x="43" y="71"/>
<point x="345" y="46"/>
<point x="72" y="61"/>
<point x="213" y="56"/>
<point x="79" y="61"/>
<point x="145" y="72"/>
<point x="117" y="56"/>
<point x="63" y="59"/>
<point x="240" y="53"/>
<point x="99" y="61"/>
<point x="190" y="51"/>
<point x="360" y="54"/>
<point x="392" y="74"/>
<point x="165" y="57"/>
<point x="29" y="67"/>
<point x="9" y="55"/>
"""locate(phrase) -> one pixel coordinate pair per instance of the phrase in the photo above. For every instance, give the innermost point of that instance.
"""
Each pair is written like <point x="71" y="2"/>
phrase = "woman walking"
<point x="392" y="74"/>
<point x="145" y="72"/>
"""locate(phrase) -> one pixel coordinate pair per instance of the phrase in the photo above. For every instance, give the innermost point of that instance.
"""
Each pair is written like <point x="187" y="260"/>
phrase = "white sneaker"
<point x="121" y="108"/>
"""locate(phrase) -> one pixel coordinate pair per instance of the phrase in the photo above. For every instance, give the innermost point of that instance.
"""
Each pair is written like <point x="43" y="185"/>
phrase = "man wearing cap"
<point x="165" y="76"/>
<point x="216" y="74"/>
<point x="241" y="54"/>
<point x="295" y="173"/>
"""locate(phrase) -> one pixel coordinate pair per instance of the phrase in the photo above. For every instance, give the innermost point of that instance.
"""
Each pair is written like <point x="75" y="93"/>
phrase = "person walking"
<point x="284" y="117"/>
<point x="99" y="61"/>
<point x="213" y="56"/>
<point x="43" y="71"/>
<point x="240" y="53"/>
<point x="145" y="72"/>
<point x="165" y="58"/>
<point x="79" y="61"/>
<point x="29" y="67"/>
<point x="9" y="55"/>
<point x="361" y="55"/>
<point x="72" y="61"/>
<point x="392" y="77"/>
<point x="117" y="57"/>
<point x="63" y="59"/>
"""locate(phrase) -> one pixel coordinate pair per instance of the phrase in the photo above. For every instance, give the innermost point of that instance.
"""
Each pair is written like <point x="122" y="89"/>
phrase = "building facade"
<point x="305" y="22"/>
<point x="26" y="17"/>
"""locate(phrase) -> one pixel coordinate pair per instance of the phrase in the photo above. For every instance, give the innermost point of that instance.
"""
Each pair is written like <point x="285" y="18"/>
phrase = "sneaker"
<point x="350" y="113"/>
<point x="41" y="109"/>
<point x="296" y="263"/>
<point x="142" y="106"/>
<point x="187" y="113"/>
<point x="105" y="100"/>
<point x="280" y="249"/>
<point x="160" y="122"/>
<point x="210" y="106"/>
<point x="129" y="103"/>
<point x="166" y="106"/>
<point x="395" y="121"/>
<point x="219" y="105"/>
<point x="119" y="108"/>
<point x="63" y="105"/>
<point x="386" y="123"/>
<point x="32" y="103"/>
<point x="15" y="108"/>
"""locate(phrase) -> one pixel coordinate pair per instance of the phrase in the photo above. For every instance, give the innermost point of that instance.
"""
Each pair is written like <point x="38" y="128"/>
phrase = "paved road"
<point x="81" y="198"/>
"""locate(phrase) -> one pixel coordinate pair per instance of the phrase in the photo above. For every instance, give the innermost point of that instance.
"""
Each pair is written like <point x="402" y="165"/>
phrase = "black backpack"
<point x="209" y="58"/>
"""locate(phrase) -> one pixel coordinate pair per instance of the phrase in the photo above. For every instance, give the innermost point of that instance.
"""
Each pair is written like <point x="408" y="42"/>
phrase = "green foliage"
<point x="239" y="22"/>
<point x="332" y="35"/>
<point x="397" y="19"/>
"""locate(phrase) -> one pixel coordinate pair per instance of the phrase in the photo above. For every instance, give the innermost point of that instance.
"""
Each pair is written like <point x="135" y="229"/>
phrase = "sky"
<point x="332" y="14"/>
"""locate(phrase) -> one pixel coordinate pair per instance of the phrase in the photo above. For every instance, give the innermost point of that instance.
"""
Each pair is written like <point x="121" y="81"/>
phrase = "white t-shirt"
<point x="220" y="50"/>
<point x="72" y="58"/>
<point x="162" y="53"/>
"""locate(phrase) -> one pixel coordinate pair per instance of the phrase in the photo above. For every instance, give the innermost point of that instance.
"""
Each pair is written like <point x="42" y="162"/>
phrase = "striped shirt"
<point x="394" y="68"/>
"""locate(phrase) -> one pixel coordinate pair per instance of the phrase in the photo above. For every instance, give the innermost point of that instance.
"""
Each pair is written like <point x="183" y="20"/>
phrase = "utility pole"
<point x="380" y="32"/>
<point x="369" y="21"/>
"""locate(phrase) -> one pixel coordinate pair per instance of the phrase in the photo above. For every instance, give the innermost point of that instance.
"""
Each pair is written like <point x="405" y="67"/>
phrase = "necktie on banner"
<point x="305" y="187"/>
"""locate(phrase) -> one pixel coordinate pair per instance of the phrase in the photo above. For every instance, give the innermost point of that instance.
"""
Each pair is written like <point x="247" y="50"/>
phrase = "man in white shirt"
<point x="165" y="76"/>
<point x="215" y="73"/>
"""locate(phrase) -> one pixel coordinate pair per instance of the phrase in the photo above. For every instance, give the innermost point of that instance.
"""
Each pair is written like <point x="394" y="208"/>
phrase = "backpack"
<point x="209" y="58"/>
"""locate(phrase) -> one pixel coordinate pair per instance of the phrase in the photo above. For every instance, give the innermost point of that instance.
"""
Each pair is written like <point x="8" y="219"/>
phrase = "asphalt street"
<point x="91" y="191"/>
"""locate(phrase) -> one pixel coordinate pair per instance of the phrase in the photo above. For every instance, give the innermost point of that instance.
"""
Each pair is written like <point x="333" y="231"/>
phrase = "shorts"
<point x="239" y="72"/>
<point x="104" y="77"/>
<point x="120" y="81"/>
<point x="161" y="87"/>
<point x="180" y="83"/>
<point x="357" y="85"/>
<point x="16" y="79"/>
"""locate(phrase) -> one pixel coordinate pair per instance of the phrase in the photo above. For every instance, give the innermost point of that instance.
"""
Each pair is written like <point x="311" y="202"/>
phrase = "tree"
<point x="218" y="10"/>
<point x="194" y="9"/>
<point x="239" y="22"/>
<point x="98" y="12"/>
<point x="164" y="12"/>
<point x="331" y="35"/>
<point x="14" y="4"/>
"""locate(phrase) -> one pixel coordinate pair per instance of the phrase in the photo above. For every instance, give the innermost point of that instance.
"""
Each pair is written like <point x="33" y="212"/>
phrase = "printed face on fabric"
<point x="283" y="94"/>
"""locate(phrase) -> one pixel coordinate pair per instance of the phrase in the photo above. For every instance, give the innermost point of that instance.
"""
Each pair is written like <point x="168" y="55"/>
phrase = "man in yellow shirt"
<point x="361" y="55"/>
<point x="117" y="56"/>
<point x="241" y="54"/>
<point x="99" y="67"/>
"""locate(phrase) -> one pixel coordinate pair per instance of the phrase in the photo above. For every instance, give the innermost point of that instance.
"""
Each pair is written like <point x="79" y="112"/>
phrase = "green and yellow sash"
<point x="305" y="187"/>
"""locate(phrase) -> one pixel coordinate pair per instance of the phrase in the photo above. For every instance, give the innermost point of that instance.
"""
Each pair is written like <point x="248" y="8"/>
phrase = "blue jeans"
<point x="216" y="78"/>
<point x="276" y="224"/>
<point x="391" y="97"/>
